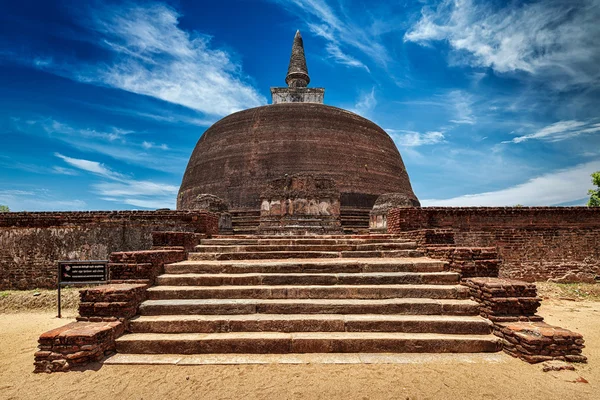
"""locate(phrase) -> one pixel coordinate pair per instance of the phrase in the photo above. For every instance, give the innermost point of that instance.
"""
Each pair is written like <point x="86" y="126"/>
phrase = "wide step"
<point x="377" y="278"/>
<point x="286" y="241"/>
<point x="310" y="323"/>
<point x="239" y="248"/>
<point x="270" y="255"/>
<point x="310" y="306"/>
<point x="309" y="292"/>
<point x="363" y="265"/>
<point x="305" y="342"/>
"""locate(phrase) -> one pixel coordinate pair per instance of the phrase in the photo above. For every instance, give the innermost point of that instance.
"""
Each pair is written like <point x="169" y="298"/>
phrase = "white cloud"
<point x="553" y="39"/>
<point x="114" y="142"/>
<point x="563" y="186"/>
<point x="90" y="166"/>
<point x="52" y="126"/>
<point x="336" y="53"/>
<point x="404" y="138"/>
<point x="462" y="104"/>
<point x="151" y="145"/>
<point x="125" y="190"/>
<point x="340" y="31"/>
<point x="135" y="188"/>
<point x="365" y="104"/>
<point x="64" y="171"/>
<point x="152" y="55"/>
<point x="559" y="131"/>
<point x="37" y="200"/>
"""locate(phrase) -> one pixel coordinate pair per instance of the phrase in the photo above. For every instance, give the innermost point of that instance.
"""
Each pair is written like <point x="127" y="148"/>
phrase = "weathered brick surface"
<point x="114" y="301"/>
<point x="535" y="243"/>
<point x="237" y="157"/>
<point x="511" y="305"/>
<point x="32" y="243"/>
<point x="185" y="240"/>
<point x="431" y="237"/>
<point x="77" y="343"/>
<point x="468" y="261"/>
<point x="143" y="264"/>
<point x="537" y="341"/>
<point x="504" y="299"/>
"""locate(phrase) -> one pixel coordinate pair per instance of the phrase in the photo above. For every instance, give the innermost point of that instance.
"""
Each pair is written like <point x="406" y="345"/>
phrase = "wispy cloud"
<point x="37" y="200"/>
<point x="553" y="39"/>
<point x="340" y="31"/>
<point x="122" y="189"/>
<point x="117" y="143"/>
<point x="90" y="166"/>
<point x="151" y="145"/>
<point x="404" y="138"/>
<point x="462" y="103"/>
<point x="559" y="131"/>
<point x="152" y="55"/>
<point x="365" y="104"/>
<point x="64" y="171"/>
<point x="560" y="187"/>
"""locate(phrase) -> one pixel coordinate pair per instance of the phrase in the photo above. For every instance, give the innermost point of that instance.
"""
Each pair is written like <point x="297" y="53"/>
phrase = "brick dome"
<point x="239" y="156"/>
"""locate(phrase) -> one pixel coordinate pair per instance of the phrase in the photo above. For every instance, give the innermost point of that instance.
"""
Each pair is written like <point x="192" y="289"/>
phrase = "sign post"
<point x="81" y="272"/>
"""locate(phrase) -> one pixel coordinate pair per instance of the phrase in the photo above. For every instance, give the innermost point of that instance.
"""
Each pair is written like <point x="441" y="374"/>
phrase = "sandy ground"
<point x="511" y="379"/>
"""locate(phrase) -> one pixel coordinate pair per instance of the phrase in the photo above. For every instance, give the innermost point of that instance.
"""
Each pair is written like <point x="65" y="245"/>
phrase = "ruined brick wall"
<point x="535" y="243"/>
<point x="32" y="243"/>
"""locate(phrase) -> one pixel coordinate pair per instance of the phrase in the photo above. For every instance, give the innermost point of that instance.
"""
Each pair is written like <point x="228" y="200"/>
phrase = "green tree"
<point x="4" y="208"/>
<point x="595" y="193"/>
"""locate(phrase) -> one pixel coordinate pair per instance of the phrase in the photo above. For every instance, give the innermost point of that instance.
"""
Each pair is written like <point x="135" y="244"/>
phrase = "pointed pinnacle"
<point x="297" y="75"/>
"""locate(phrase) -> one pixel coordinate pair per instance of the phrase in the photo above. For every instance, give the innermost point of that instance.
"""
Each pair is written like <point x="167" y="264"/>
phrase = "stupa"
<point x="239" y="157"/>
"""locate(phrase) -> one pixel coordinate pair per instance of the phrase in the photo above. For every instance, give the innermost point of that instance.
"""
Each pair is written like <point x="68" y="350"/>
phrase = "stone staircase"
<point x="309" y="294"/>
<point x="354" y="220"/>
<point x="245" y="222"/>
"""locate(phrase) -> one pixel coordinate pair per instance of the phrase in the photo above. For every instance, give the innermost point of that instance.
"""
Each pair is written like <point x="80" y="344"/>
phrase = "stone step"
<point x="381" y="278"/>
<point x="354" y="218"/>
<point x="305" y="342"/>
<point x="482" y="359"/>
<point x="236" y="248"/>
<point x="409" y="306"/>
<point x="332" y="265"/>
<point x="309" y="292"/>
<point x="285" y="241"/>
<point x="272" y="255"/>
<point x="449" y="324"/>
<point x="336" y="236"/>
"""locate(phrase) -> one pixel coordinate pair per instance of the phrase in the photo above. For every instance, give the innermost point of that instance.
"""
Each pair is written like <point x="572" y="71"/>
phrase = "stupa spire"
<point x="297" y="75"/>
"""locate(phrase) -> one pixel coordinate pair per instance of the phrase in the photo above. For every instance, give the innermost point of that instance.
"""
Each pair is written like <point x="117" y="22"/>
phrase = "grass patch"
<point x="38" y="300"/>
<point x="569" y="291"/>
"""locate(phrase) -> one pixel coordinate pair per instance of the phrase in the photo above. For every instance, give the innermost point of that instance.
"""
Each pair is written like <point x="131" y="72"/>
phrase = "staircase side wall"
<point x="535" y="243"/>
<point x="32" y="243"/>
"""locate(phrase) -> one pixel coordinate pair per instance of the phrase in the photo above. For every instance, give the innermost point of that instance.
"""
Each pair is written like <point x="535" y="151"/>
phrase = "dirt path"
<point x="511" y="379"/>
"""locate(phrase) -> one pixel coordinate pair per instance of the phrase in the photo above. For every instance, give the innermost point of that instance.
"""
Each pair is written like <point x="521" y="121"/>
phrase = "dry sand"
<point x="510" y="379"/>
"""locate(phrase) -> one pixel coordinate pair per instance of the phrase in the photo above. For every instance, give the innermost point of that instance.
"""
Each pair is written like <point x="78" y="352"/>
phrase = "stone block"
<point x="76" y="343"/>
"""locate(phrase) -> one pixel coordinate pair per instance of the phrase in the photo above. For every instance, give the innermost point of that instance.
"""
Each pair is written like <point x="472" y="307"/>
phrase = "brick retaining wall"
<point x="32" y="243"/>
<point x="535" y="243"/>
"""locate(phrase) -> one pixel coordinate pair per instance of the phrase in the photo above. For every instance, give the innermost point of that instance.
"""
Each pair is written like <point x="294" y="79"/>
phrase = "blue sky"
<point x="489" y="102"/>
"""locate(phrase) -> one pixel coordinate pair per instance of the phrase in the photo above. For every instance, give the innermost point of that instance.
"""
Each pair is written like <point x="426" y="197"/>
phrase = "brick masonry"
<point x="32" y="243"/>
<point x="512" y="305"/>
<point x="534" y="243"/>
<point x="142" y="265"/>
<point x="104" y="311"/>
<point x="75" y="344"/>
<point x="537" y="341"/>
<point x="111" y="302"/>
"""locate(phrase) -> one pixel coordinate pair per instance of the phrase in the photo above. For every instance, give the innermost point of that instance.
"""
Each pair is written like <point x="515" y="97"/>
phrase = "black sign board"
<point x="81" y="272"/>
<point x="72" y="272"/>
